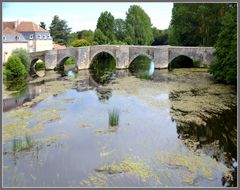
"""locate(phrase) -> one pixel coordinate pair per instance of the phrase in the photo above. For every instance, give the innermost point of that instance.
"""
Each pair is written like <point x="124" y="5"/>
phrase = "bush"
<point x="40" y="65"/>
<point x="24" y="57"/>
<point x="14" y="68"/>
<point x="80" y="43"/>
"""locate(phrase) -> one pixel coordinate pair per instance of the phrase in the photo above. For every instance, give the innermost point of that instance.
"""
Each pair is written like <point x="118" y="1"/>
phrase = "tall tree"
<point x="86" y="35"/>
<point x="119" y="29"/>
<point x="138" y="26"/>
<point x="60" y="31"/>
<point x="105" y="23"/>
<point x="43" y="25"/>
<point x="224" y="68"/>
<point x="196" y="28"/>
<point x="99" y="37"/>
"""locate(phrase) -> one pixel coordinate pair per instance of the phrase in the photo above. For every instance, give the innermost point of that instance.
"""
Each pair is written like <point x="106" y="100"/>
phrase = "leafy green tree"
<point x="14" y="68"/>
<point x="119" y="29"/>
<point x="99" y="37"/>
<point x="60" y="31"/>
<point x="87" y="35"/>
<point x="79" y="43"/>
<point x="224" y="68"/>
<point x="43" y="25"/>
<point x="160" y="37"/>
<point x="196" y="28"/>
<point x="105" y="23"/>
<point x="138" y="27"/>
<point x="24" y="57"/>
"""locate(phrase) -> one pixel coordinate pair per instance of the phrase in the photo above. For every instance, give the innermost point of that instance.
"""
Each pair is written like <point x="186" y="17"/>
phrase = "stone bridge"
<point x="123" y="54"/>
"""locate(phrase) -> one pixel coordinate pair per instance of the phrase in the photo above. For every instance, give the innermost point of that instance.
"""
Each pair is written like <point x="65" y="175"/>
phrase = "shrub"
<point x="113" y="117"/>
<point x="14" y="68"/>
<point x="40" y="65"/>
<point x="80" y="43"/>
<point x="24" y="57"/>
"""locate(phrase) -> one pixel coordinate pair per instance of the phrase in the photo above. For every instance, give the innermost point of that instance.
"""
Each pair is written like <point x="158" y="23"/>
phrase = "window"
<point x="44" y="37"/>
<point x="31" y="36"/>
<point x="49" y="37"/>
<point x="4" y="38"/>
<point x="17" y="37"/>
<point x="39" y="36"/>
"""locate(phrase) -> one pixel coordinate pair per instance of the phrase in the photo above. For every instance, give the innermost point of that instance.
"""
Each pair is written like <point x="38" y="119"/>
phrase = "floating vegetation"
<point x="128" y="166"/>
<point x="97" y="180"/>
<point x="144" y="75"/>
<point x="113" y="117"/>
<point x="84" y="125"/>
<point x="195" y="166"/>
<point x="105" y="154"/>
<point x="48" y="115"/>
<point x="21" y="114"/>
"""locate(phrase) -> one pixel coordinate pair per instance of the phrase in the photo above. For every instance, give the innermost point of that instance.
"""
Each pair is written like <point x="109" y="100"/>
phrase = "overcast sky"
<point x="81" y="16"/>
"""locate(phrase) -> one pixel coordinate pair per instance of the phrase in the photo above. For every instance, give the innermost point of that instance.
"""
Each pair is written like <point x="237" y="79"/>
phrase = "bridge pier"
<point x="122" y="57"/>
<point x="50" y="59"/>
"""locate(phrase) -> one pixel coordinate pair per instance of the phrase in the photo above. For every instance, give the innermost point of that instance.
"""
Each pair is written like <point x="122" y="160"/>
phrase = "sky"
<point x="81" y="16"/>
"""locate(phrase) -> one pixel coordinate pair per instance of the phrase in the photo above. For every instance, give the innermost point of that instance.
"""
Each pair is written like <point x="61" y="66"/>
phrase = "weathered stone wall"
<point x="124" y="55"/>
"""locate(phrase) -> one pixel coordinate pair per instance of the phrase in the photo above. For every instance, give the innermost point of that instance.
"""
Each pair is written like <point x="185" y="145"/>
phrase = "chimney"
<point x="16" y="23"/>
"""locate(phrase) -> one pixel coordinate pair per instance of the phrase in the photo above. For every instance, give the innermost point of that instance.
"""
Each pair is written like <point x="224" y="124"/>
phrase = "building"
<point x="27" y="35"/>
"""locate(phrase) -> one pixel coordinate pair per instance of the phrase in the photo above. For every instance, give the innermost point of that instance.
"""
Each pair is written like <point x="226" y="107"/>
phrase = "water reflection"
<point x="142" y="67"/>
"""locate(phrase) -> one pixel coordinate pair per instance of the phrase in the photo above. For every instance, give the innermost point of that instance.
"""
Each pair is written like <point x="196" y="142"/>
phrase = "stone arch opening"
<point x="103" y="67"/>
<point x="181" y="61"/>
<point x="37" y="68"/>
<point x="142" y="66"/>
<point x="67" y="66"/>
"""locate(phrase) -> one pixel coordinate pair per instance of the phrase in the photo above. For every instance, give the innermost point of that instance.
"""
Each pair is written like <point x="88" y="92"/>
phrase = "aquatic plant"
<point x="17" y="144"/>
<point x="144" y="75"/>
<point x="29" y="141"/>
<point x="113" y="117"/>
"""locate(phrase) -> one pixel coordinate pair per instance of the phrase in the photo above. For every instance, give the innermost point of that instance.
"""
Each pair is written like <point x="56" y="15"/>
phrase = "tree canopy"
<point x="60" y="31"/>
<point x="138" y="27"/>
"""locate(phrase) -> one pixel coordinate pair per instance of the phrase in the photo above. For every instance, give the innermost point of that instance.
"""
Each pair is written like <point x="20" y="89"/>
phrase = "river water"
<point x="173" y="130"/>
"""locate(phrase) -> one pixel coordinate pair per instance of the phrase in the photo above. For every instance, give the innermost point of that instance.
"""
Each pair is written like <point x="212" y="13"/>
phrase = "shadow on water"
<point x="217" y="139"/>
<point x="142" y="67"/>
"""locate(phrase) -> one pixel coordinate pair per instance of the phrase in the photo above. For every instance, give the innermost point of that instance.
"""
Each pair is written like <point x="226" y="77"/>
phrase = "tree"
<point x="105" y="23"/>
<point x="79" y="43"/>
<point x="160" y="37"/>
<point x="14" y="68"/>
<point x="87" y="35"/>
<point x="138" y="27"/>
<point x="196" y="28"/>
<point x="60" y="31"/>
<point x="43" y="25"/>
<point x="224" y="68"/>
<point x="119" y="29"/>
<point x="24" y="57"/>
<point x="99" y="37"/>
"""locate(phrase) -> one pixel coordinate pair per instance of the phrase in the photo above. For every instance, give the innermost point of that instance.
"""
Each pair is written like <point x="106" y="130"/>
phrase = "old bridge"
<point x="123" y="54"/>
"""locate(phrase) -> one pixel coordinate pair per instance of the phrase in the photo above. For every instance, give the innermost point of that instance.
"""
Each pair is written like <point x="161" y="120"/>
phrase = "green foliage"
<point x="138" y="27"/>
<point x="40" y="65"/>
<point x="160" y="37"/>
<point x="105" y="24"/>
<point x="69" y="61"/>
<point x="144" y="75"/>
<point x="119" y="29"/>
<point x="80" y="43"/>
<point x="196" y="28"/>
<point x="24" y="57"/>
<point x="113" y="116"/>
<point x="87" y="35"/>
<point x="224" y="68"/>
<point x="60" y="31"/>
<point x="99" y="37"/>
<point x="18" y="145"/>
<point x="42" y="25"/>
<point x="14" y="68"/>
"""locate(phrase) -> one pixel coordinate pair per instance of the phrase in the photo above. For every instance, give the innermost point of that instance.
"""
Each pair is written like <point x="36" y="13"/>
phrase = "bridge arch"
<point x="138" y="55"/>
<point x="181" y="61"/>
<point x="95" y="54"/>
<point x="61" y="63"/>
<point x="32" y="70"/>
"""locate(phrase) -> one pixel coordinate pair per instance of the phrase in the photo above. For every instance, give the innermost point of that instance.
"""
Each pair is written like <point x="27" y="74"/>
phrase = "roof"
<point x="57" y="46"/>
<point x="9" y="31"/>
<point x="29" y="27"/>
<point x="23" y="26"/>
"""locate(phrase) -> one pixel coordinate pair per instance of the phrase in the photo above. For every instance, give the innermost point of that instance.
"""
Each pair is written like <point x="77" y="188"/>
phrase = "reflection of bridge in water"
<point x="123" y="54"/>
